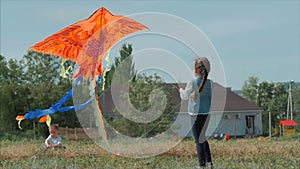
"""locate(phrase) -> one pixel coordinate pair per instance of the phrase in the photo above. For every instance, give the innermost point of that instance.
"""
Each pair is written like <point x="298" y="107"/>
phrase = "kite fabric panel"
<point x="95" y="36"/>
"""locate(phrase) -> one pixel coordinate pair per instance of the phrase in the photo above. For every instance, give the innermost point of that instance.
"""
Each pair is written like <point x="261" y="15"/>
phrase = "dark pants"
<point x="200" y="124"/>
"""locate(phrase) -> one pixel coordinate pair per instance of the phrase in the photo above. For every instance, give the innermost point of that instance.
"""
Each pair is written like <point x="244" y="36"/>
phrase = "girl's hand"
<point x="193" y="96"/>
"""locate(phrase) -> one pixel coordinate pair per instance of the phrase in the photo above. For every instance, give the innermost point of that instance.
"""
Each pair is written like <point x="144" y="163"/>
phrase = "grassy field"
<point x="84" y="154"/>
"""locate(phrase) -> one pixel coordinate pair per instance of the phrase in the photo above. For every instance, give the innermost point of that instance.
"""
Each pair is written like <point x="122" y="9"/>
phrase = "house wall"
<point x="258" y="124"/>
<point x="233" y="125"/>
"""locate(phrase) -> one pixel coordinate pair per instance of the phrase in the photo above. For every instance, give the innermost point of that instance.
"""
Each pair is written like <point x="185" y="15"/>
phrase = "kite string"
<point x="99" y="115"/>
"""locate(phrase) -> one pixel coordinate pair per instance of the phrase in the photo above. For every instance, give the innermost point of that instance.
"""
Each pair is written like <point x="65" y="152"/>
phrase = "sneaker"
<point x="210" y="165"/>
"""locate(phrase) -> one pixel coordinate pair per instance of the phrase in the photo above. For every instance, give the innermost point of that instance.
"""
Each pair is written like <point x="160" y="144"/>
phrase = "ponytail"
<point x="202" y="65"/>
<point x="203" y="81"/>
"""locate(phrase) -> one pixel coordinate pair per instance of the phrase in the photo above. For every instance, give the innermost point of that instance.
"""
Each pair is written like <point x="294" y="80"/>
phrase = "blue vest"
<point x="205" y="96"/>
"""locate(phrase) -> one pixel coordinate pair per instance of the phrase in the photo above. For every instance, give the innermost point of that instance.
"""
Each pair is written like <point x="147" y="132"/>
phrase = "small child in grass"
<point x="54" y="141"/>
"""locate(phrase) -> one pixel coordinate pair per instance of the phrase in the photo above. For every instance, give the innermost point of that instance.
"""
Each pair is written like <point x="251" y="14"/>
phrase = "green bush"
<point x="12" y="136"/>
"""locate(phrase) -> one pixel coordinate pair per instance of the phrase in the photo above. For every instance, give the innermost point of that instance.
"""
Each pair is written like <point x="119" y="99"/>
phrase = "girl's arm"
<point x="186" y="93"/>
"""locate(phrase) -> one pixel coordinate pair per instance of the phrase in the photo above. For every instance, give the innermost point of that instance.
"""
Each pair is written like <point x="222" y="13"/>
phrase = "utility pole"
<point x="270" y="125"/>
<point x="270" y="114"/>
<point x="290" y="102"/>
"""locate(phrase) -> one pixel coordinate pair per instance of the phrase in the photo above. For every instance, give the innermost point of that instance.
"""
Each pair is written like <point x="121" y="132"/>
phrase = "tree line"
<point x="272" y="97"/>
<point x="34" y="82"/>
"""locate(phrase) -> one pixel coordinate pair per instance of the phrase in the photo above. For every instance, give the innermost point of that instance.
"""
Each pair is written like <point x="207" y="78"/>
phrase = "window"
<point x="238" y="116"/>
<point x="226" y="116"/>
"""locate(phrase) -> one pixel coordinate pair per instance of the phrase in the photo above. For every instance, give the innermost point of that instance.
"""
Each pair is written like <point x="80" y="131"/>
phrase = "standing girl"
<point x="198" y="92"/>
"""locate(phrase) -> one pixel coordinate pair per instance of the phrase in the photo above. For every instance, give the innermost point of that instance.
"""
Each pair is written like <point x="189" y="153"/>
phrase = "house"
<point x="240" y="117"/>
<point x="231" y="113"/>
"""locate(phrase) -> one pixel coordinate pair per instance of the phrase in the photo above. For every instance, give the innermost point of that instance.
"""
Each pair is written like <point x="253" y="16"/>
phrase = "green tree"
<point x="296" y="98"/>
<point x="296" y="106"/>
<point x="11" y="88"/>
<point x="3" y="71"/>
<point x="32" y="83"/>
<point x="43" y="72"/>
<point x="127" y="69"/>
<point x="140" y="87"/>
<point x="249" y="89"/>
<point x="140" y="98"/>
<point x="272" y="97"/>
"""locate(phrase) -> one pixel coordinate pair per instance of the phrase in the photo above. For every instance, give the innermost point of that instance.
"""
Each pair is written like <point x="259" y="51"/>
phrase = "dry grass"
<point x="220" y="149"/>
<point x="19" y="150"/>
<point x="240" y="147"/>
<point x="282" y="153"/>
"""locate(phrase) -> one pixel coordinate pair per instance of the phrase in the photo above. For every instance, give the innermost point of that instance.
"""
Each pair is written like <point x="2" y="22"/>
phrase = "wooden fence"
<point x="78" y="133"/>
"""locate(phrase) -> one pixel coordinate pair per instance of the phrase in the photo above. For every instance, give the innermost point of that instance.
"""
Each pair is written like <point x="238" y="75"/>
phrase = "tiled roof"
<point x="234" y="102"/>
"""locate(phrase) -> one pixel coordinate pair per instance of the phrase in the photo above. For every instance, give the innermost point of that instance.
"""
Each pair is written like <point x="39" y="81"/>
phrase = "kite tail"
<point x="44" y="115"/>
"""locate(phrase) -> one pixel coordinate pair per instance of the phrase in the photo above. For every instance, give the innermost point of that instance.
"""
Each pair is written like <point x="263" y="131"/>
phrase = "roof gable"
<point x="234" y="102"/>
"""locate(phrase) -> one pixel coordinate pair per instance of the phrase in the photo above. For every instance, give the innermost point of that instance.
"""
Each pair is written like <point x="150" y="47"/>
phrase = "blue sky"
<point x="252" y="38"/>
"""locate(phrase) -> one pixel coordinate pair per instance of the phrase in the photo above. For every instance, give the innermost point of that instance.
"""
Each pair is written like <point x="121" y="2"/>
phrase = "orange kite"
<point x="86" y="42"/>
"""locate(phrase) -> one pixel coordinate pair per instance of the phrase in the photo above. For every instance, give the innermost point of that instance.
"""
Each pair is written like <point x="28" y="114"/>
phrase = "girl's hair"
<point x="202" y="65"/>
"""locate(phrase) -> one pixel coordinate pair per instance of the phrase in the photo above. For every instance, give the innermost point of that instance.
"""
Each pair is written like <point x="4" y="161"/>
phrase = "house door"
<point x="250" y="125"/>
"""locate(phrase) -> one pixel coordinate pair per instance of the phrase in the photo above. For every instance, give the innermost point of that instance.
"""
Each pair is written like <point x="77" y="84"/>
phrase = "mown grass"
<point x="84" y="154"/>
